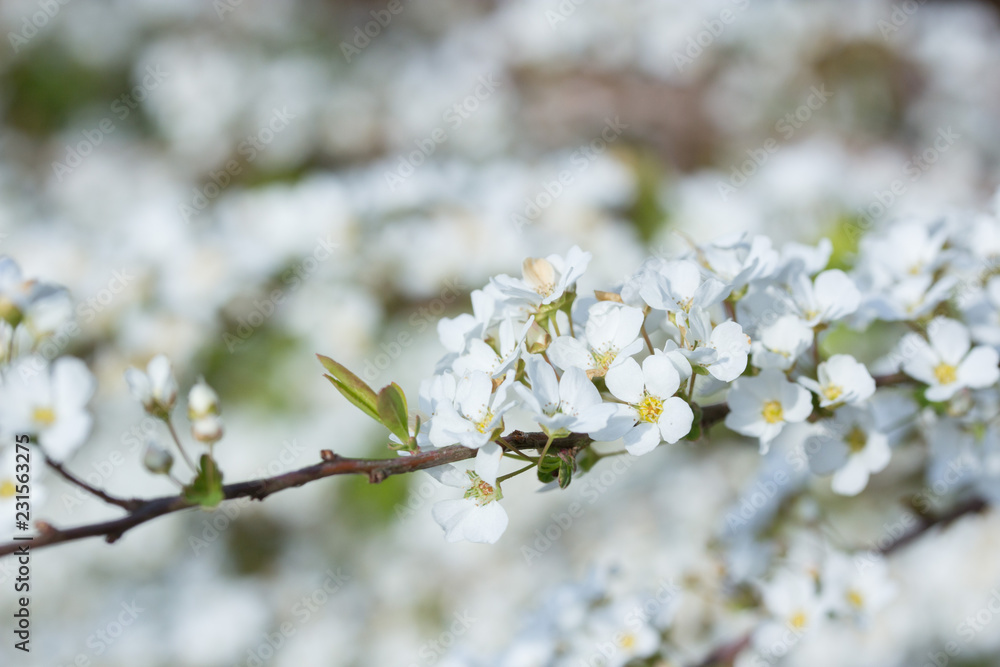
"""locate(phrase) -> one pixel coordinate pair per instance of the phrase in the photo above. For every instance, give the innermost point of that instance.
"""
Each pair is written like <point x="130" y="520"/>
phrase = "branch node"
<point x="328" y="455"/>
<point x="376" y="475"/>
<point x="45" y="528"/>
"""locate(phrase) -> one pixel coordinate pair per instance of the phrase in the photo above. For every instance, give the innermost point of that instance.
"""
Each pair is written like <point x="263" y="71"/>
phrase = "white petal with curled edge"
<point x="642" y="439"/>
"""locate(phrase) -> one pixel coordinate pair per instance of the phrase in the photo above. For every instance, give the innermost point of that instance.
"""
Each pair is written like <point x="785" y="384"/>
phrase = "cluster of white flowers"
<point x="602" y="620"/>
<point x="735" y="322"/>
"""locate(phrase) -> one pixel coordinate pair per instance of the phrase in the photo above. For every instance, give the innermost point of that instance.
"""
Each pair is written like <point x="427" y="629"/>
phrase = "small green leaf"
<point x="548" y="468"/>
<point x="351" y="386"/>
<point x="393" y="412"/>
<point x="206" y="489"/>
<point x="566" y="467"/>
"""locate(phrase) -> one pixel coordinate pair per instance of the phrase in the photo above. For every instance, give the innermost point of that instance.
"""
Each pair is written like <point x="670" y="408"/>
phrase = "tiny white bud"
<point x="202" y="401"/>
<point x="157" y="459"/>
<point x="207" y="429"/>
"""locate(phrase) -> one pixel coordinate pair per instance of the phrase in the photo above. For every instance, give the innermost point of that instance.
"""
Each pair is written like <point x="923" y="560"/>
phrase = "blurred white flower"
<point x="796" y="608"/>
<point x="858" y="587"/>
<point x="832" y="296"/>
<point x="841" y="380"/>
<point x="852" y="449"/>
<point x="42" y="307"/>
<point x="947" y="364"/>
<point x="156" y="389"/>
<point x="780" y="344"/>
<point x="760" y="406"/>
<point x="48" y="402"/>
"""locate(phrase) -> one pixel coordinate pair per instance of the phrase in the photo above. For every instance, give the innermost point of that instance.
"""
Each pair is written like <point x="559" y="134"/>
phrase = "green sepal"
<point x="695" y="432"/>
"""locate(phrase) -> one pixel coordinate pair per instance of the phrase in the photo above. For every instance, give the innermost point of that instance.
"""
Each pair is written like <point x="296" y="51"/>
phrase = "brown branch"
<point x="892" y="379"/>
<point x="130" y="505"/>
<point x="142" y="511"/>
<point x="377" y="470"/>
<point x="974" y="505"/>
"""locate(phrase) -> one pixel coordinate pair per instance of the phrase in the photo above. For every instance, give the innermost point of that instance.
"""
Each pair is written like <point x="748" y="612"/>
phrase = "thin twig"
<point x="332" y="464"/>
<point x="180" y="447"/>
<point x="129" y="505"/>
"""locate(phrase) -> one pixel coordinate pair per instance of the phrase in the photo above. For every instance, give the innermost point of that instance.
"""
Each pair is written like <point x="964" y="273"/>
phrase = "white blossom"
<point x="761" y="405"/>
<point x="841" y="379"/>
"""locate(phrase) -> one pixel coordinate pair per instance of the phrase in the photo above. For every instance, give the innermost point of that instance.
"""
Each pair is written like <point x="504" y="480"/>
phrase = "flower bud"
<point x="538" y="339"/>
<point x="207" y="429"/>
<point x="156" y="459"/>
<point x="202" y="401"/>
<point x="156" y="389"/>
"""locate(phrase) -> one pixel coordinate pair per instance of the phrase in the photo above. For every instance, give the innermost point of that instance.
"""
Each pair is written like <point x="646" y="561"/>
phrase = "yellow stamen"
<point x="603" y="361"/>
<point x="45" y="416"/>
<point x="856" y="440"/>
<point x="628" y="641"/>
<point x="650" y="409"/>
<point x="946" y="373"/>
<point x="7" y="489"/>
<point x="773" y="412"/>
<point x="481" y="426"/>
<point x="855" y="599"/>
<point x="799" y="620"/>
<point x="832" y="392"/>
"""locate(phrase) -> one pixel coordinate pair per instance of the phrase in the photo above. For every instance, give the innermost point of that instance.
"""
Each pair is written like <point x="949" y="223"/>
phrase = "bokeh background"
<point x="240" y="184"/>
